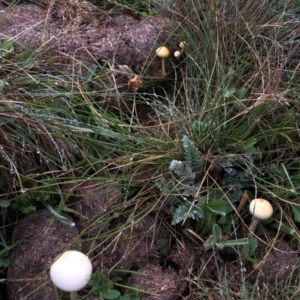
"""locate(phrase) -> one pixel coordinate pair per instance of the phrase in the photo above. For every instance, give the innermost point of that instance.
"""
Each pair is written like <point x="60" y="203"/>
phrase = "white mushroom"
<point x="71" y="272"/>
<point x="261" y="209"/>
<point x="178" y="53"/>
<point x="163" y="53"/>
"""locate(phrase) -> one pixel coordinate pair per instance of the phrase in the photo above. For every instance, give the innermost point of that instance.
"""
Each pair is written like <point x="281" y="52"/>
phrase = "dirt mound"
<point x="42" y="240"/>
<point x="76" y="39"/>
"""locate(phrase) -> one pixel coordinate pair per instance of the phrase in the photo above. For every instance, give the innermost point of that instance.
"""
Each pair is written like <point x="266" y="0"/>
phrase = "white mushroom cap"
<point x="71" y="271"/>
<point x="177" y="54"/>
<point x="162" y="52"/>
<point x="182" y="44"/>
<point x="261" y="209"/>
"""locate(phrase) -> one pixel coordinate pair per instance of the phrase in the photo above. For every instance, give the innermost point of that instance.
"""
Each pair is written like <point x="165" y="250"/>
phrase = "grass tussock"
<point x="233" y="94"/>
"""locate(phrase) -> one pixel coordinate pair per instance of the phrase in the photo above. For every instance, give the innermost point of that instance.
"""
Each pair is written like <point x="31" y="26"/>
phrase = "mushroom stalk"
<point x="243" y="201"/>
<point x="163" y="68"/>
<point x="73" y="296"/>
<point x="253" y="227"/>
<point x="163" y="53"/>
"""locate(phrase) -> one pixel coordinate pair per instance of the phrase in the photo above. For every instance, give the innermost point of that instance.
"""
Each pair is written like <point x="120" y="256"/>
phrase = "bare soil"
<point x="168" y="260"/>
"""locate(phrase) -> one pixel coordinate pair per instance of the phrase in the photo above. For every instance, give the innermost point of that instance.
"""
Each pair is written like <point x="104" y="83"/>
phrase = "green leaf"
<point x="296" y="212"/>
<point x="229" y="91"/>
<point x="217" y="234"/>
<point x="250" y="247"/>
<point x="219" y="207"/>
<point x="208" y="222"/>
<point x="6" y="48"/>
<point x="61" y="218"/>
<point x="2" y="84"/>
<point x="200" y="126"/>
<point x="110" y="294"/>
<point x="4" y="203"/>
<point x="285" y="228"/>
<point x="248" y="143"/>
<point x="238" y="242"/>
<point x="131" y="296"/>
<point x="184" y="211"/>
<point x="192" y="155"/>
<point x="201" y="201"/>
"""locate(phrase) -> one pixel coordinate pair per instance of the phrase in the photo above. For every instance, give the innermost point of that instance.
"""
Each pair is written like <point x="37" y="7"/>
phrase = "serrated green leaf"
<point x="183" y="211"/>
<point x="192" y="155"/>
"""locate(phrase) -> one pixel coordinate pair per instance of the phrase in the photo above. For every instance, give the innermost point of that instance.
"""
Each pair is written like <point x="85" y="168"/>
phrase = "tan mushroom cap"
<point x="261" y="209"/>
<point x="162" y="52"/>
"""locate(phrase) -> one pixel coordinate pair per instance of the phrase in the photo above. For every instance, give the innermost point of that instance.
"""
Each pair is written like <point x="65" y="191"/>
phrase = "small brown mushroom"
<point x="135" y="83"/>
<point x="243" y="201"/>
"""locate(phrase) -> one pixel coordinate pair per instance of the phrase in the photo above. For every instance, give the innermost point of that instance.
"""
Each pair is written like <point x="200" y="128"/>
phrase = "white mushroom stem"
<point x="163" y="68"/>
<point x="253" y="227"/>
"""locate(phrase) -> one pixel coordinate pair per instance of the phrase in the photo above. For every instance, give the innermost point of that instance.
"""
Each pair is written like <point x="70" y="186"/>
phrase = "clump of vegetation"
<point x="222" y="125"/>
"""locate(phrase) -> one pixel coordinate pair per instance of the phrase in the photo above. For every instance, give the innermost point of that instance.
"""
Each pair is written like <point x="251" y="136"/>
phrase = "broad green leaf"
<point x="248" y="143"/>
<point x="219" y="207"/>
<point x="111" y="294"/>
<point x="4" y="203"/>
<point x="250" y="247"/>
<point x="130" y="296"/>
<point x="238" y="242"/>
<point x="229" y="91"/>
<point x="217" y="234"/>
<point x="201" y="201"/>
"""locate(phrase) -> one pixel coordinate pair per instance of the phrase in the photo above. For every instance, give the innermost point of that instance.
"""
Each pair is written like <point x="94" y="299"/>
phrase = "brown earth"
<point x="125" y="45"/>
<point x="166" y="261"/>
